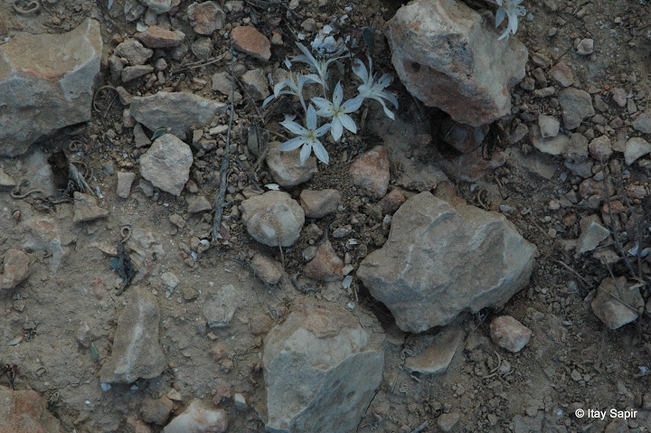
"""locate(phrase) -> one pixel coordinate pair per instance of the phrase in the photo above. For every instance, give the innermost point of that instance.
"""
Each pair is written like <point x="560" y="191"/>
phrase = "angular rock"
<point x="576" y="105"/>
<point x="159" y="37"/>
<point x="166" y="164"/>
<point x="601" y="148"/>
<point x="130" y="73"/>
<point x="592" y="234"/>
<point x="441" y="50"/>
<point x="86" y="208"/>
<point x="321" y="369"/>
<point x="125" y="180"/>
<point x="256" y="84"/>
<point x="206" y="17"/>
<point x="643" y="123"/>
<point x="220" y="309"/>
<point x="562" y="74"/>
<point x="326" y="264"/>
<point x="156" y="411"/>
<point x="440" y="261"/>
<point x="585" y="47"/>
<point x="617" y="302"/>
<point x="198" y="204"/>
<point x="250" y="41"/>
<point x="178" y="112"/>
<point x="16" y="269"/>
<point x="636" y="147"/>
<point x="202" y="48"/>
<point x="158" y="6"/>
<point x="198" y="419"/>
<point x="437" y="353"/>
<point x="549" y="126"/>
<point x="286" y="168"/>
<point x="370" y="171"/>
<point x="133" y="10"/>
<point x="269" y="270"/>
<point x="318" y="204"/>
<point x="133" y="51"/>
<point x="46" y="83"/>
<point x="140" y="137"/>
<point x="25" y="411"/>
<point x="273" y="218"/>
<point x="392" y="201"/>
<point x="508" y="333"/>
<point x="447" y="421"/>
<point x="136" y="351"/>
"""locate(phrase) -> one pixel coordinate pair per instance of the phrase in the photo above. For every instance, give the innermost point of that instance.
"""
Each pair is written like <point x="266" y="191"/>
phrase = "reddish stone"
<point x="392" y="201"/>
<point x="250" y="41"/>
<point x="370" y="171"/>
<point x="509" y="333"/>
<point x="326" y="265"/>
<point x="158" y="37"/>
<point x="26" y="412"/>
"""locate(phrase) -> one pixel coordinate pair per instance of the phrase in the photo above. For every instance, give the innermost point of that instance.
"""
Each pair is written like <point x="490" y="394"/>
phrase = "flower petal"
<point x="320" y="152"/>
<point x="385" y="80"/>
<point x="322" y="130"/>
<point x="387" y="112"/>
<point x="336" y="129"/>
<point x="353" y="105"/>
<point x="359" y="69"/>
<point x="294" y="127"/>
<point x="337" y="95"/>
<point x="499" y="17"/>
<point x="305" y="152"/>
<point x="389" y="97"/>
<point x="348" y="123"/>
<point x="292" y="144"/>
<point x="324" y="106"/>
<point x="310" y="119"/>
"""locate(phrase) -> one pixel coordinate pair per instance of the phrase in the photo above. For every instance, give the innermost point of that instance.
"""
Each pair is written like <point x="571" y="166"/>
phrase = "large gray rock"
<point x="440" y="261"/>
<point x="136" y="351"/>
<point x="46" y="83"/>
<point x="167" y="164"/>
<point x="321" y="369"/>
<point x="449" y="56"/>
<point x="273" y="218"/>
<point x="178" y="112"/>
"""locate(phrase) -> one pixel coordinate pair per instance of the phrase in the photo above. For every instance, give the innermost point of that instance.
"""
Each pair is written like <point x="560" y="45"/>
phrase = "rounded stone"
<point x="273" y="218"/>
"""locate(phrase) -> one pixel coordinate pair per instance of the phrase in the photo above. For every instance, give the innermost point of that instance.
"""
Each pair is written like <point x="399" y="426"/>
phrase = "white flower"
<point x="320" y="67"/>
<point x="512" y="10"/>
<point x="308" y="137"/>
<point x="292" y="87"/>
<point x="372" y="89"/>
<point x="338" y="111"/>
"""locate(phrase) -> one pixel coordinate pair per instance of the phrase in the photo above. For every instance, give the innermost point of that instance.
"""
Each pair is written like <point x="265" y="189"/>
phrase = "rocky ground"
<point x="308" y="306"/>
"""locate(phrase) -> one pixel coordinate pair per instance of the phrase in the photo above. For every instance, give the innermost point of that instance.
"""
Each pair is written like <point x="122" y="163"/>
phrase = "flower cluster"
<point x="335" y="110"/>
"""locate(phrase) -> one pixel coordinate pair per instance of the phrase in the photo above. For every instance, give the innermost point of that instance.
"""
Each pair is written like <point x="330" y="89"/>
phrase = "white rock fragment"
<point x="198" y="419"/>
<point x="509" y="333"/>
<point x="273" y="218"/>
<point x="167" y="164"/>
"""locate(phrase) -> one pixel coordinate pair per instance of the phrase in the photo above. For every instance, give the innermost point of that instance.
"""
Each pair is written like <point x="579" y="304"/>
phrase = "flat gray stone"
<point x="136" y="351"/>
<point x="256" y="84"/>
<point x="636" y="147"/>
<point x="46" y="83"/>
<point x="321" y="369"/>
<point x="439" y="261"/>
<point x="86" y="208"/>
<point x="576" y="105"/>
<point x="318" y="204"/>
<point x="133" y="51"/>
<point x="166" y="164"/>
<point x="206" y="17"/>
<point x="125" y="180"/>
<point x="592" y="234"/>
<point x="643" y="123"/>
<point x="177" y="112"/>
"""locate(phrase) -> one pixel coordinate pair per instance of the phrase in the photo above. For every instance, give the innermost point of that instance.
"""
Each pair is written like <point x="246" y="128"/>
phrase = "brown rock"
<point x="86" y="209"/>
<point x="326" y="265"/>
<point x="392" y="201"/>
<point x="158" y="37"/>
<point x="206" y="17"/>
<point x="269" y="270"/>
<point x="318" y="204"/>
<point x="509" y="333"/>
<point x="562" y="74"/>
<point x="25" y="412"/>
<point x="156" y="411"/>
<point x="370" y="171"/>
<point x="16" y="269"/>
<point x="250" y="41"/>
